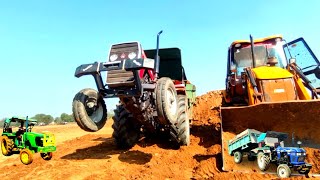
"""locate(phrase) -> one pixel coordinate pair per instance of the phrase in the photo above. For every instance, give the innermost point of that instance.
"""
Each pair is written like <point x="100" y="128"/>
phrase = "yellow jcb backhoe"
<point x="271" y="86"/>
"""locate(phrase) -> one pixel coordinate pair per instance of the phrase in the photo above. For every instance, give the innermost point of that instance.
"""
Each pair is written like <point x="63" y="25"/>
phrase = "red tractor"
<point x="154" y="95"/>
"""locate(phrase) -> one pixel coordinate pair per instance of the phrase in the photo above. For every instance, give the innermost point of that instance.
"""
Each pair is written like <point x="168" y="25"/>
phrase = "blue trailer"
<point x="242" y="144"/>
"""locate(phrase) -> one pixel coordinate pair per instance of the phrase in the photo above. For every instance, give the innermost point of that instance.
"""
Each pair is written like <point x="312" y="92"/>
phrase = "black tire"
<point x="251" y="157"/>
<point x="182" y="127"/>
<point x="26" y="156"/>
<point x="7" y="146"/>
<point x="237" y="156"/>
<point x="166" y="101"/>
<point x="46" y="156"/>
<point x="283" y="171"/>
<point x="126" y="131"/>
<point x="89" y="110"/>
<point x="263" y="161"/>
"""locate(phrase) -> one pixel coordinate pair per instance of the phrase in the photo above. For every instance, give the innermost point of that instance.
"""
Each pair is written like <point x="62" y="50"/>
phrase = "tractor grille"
<point x="301" y="158"/>
<point x="120" y="78"/>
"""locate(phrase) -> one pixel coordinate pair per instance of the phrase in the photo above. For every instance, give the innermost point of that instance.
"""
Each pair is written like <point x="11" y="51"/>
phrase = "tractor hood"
<point x="291" y="150"/>
<point x="34" y="134"/>
<point x="271" y="72"/>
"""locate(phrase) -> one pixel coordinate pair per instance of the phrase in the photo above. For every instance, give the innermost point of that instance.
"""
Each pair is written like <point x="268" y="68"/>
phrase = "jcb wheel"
<point x="126" y="131"/>
<point x="89" y="110"/>
<point x="7" y="146"/>
<point x="283" y="171"/>
<point x="237" y="157"/>
<point x="46" y="156"/>
<point x="26" y="156"/>
<point x="263" y="161"/>
<point x="166" y="101"/>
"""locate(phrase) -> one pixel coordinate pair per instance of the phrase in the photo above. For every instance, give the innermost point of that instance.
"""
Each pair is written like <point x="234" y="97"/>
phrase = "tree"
<point x="57" y="120"/>
<point x="66" y="117"/>
<point x="47" y="119"/>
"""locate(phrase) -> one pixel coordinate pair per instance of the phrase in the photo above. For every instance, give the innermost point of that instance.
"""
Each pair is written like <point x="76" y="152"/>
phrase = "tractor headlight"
<point x="299" y="154"/>
<point x="113" y="57"/>
<point x="132" y="55"/>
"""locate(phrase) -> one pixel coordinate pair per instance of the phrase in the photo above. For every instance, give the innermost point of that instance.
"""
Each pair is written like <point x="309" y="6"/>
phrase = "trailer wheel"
<point x="166" y="101"/>
<point x="26" y="156"/>
<point x="237" y="157"/>
<point x="46" y="156"/>
<point x="283" y="171"/>
<point x="89" y="110"/>
<point x="6" y="146"/>
<point x="125" y="130"/>
<point x="263" y="161"/>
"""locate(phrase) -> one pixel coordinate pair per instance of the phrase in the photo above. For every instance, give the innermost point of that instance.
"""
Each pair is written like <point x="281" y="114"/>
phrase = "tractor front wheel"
<point x="46" y="156"/>
<point x="283" y="171"/>
<point x="26" y="156"/>
<point x="7" y="146"/>
<point x="89" y="110"/>
<point x="166" y="101"/>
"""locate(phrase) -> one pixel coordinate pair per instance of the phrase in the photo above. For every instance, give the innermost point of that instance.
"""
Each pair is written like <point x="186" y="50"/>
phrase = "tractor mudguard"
<point x="298" y="117"/>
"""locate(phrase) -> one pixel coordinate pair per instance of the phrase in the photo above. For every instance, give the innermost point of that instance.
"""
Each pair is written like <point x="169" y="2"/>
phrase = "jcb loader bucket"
<point x="298" y="118"/>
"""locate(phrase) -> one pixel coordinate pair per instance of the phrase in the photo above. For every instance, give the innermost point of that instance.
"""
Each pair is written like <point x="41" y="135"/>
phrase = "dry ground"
<point x="83" y="155"/>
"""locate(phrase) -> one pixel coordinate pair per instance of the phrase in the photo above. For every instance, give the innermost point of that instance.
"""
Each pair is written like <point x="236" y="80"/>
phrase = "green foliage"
<point x="1" y="122"/>
<point x="66" y="117"/>
<point x="110" y="114"/>
<point x="47" y="119"/>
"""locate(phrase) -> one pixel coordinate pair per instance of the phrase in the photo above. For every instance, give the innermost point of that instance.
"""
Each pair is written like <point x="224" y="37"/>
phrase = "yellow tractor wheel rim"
<point x="25" y="157"/>
<point x="3" y="147"/>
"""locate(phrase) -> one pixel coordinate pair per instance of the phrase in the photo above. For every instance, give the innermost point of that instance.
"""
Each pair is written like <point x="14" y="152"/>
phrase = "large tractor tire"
<point x="283" y="171"/>
<point x="263" y="161"/>
<point x="166" y="101"/>
<point x="182" y="127"/>
<point x="7" y="146"/>
<point x="125" y="130"/>
<point x="46" y="156"/>
<point x="26" y="156"/>
<point x="89" y="110"/>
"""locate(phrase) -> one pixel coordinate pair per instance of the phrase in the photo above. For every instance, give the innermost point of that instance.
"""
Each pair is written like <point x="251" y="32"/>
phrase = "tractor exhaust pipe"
<point x="252" y="52"/>
<point x="157" y="58"/>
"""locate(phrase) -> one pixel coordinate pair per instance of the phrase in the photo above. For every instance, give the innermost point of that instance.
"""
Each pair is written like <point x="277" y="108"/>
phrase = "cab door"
<point x="305" y="59"/>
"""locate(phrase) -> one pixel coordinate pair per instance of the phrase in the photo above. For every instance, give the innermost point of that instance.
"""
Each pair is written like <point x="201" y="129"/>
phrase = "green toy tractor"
<point x="25" y="141"/>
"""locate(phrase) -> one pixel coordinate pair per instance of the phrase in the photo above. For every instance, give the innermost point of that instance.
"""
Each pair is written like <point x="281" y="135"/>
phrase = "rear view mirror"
<point x="292" y="60"/>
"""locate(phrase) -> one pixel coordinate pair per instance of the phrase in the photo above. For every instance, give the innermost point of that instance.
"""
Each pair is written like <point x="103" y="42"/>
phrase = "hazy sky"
<point x="42" y="42"/>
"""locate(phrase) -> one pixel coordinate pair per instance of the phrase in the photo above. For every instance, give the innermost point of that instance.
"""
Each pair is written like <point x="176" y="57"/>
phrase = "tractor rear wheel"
<point x="166" y="101"/>
<point x="26" y="156"/>
<point x="89" y="110"/>
<point x="182" y="127"/>
<point x="46" y="156"/>
<point x="126" y="131"/>
<point x="263" y="161"/>
<point x="7" y="146"/>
